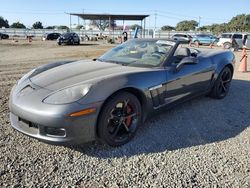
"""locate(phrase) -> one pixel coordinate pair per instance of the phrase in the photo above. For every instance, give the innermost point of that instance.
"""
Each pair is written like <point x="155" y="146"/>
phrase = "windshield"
<point x="139" y="53"/>
<point x="66" y="35"/>
<point x="226" y="35"/>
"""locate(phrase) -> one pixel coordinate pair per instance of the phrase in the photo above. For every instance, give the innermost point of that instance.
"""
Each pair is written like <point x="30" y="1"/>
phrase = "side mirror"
<point x="186" y="60"/>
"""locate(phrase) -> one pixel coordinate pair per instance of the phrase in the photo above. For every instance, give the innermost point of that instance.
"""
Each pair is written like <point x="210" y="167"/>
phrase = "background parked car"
<point x="3" y="36"/>
<point x="204" y="39"/>
<point x="51" y="36"/>
<point x="182" y="37"/>
<point x="68" y="38"/>
<point x="241" y="39"/>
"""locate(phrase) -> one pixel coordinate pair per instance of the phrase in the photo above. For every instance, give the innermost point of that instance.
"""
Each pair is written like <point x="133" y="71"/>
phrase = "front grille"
<point x="33" y="125"/>
<point x="28" y="126"/>
<point x="34" y="128"/>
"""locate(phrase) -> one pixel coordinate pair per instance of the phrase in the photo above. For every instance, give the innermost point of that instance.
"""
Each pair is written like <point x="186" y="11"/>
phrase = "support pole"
<point x="109" y="26"/>
<point x="144" y="32"/>
<point x="124" y="28"/>
<point x="70" y="22"/>
<point x="141" y="29"/>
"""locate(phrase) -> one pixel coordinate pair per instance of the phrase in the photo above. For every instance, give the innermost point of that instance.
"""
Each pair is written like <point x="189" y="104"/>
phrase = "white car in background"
<point x="182" y="38"/>
<point x="242" y="39"/>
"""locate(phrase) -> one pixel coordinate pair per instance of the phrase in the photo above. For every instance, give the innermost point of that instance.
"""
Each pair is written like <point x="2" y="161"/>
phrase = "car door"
<point x="239" y="39"/>
<point x="190" y="80"/>
<point x="54" y="36"/>
<point x="202" y="39"/>
<point x="75" y="36"/>
<point x="248" y="41"/>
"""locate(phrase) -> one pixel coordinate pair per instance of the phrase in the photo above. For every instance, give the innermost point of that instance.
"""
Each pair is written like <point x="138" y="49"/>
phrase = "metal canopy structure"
<point x="121" y="17"/>
<point x="110" y="16"/>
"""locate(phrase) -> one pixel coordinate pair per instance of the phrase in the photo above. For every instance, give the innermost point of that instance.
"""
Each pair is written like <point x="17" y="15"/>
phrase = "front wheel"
<point x="227" y="45"/>
<point x="119" y="119"/>
<point x="222" y="84"/>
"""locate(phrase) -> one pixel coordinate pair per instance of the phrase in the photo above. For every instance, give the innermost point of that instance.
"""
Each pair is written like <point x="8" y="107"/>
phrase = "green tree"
<point x="50" y="27"/>
<point x="38" y="25"/>
<point x="4" y="23"/>
<point x="103" y="24"/>
<point x="167" y="28"/>
<point x="205" y="28"/>
<point x="63" y="27"/>
<point x="239" y="23"/>
<point x="135" y="26"/>
<point x="18" y="25"/>
<point x="219" y="28"/>
<point x="186" y="25"/>
<point x="80" y="27"/>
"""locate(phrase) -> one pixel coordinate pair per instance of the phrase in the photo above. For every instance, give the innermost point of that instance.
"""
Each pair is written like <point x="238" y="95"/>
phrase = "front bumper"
<point x="51" y="123"/>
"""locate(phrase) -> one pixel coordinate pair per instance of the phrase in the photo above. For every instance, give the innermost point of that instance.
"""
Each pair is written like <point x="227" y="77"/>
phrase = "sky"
<point x="164" y="12"/>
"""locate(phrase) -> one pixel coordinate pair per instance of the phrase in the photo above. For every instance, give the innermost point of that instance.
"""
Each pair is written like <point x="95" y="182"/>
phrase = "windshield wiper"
<point x="115" y="62"/>
<point x="98" y="59"/>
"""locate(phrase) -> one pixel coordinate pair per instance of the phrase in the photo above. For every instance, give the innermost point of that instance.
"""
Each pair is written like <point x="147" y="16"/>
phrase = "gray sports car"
<point x="109" y="97"/>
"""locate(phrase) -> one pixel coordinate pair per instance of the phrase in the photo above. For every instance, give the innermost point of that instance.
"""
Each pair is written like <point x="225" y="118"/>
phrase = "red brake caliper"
<point x="129" y="119"/>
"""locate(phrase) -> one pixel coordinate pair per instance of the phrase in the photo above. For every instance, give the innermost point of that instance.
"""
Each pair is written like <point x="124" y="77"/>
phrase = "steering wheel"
<point x="157" y="55"/>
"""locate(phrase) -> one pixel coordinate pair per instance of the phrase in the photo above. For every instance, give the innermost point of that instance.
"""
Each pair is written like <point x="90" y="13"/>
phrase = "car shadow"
<point x="81" y="44"/>
<point x="198" y="122"/>
<point x="88" y="44"/>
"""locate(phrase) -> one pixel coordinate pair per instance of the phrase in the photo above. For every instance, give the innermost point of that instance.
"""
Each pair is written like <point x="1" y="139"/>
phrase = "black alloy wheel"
<point x="222" y="84"/>
<point x="119" y="119"/>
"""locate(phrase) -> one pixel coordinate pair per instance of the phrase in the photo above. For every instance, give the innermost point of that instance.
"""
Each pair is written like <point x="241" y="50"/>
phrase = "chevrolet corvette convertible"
<point x="108" y="98"/>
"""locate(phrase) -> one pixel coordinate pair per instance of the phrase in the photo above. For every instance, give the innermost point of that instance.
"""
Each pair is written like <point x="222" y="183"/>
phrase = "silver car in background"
<point x="182" y="38"/>
<point x="242" y="39"/>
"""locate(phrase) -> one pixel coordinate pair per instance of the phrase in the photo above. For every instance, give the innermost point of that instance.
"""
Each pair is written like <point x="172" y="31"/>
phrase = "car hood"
<point x="64" y="74"/>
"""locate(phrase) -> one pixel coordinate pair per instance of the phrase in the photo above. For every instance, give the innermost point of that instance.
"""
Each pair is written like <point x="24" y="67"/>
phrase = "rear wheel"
<point x="119" y="119"/>
<point x="222" y="84"/>
<point x="227" y="45"/>
<point x="71" y="41"/>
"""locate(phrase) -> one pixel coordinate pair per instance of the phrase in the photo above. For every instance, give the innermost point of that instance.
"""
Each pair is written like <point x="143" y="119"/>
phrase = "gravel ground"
<point x="201" y="143"/>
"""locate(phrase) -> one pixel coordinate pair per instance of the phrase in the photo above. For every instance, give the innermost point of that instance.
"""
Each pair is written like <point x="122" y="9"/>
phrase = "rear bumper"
<point x="63" y="41"/>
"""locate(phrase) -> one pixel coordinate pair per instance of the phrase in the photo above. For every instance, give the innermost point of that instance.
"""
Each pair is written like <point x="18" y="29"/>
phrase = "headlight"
<point x="67" y="95"/>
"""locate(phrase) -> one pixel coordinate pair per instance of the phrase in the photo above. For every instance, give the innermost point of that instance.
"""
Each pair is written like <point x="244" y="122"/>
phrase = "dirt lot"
<point x="202" y="143"/>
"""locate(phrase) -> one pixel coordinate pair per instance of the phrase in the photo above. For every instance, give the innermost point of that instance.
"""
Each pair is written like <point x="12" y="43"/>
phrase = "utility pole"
<point x="199" y="21"/>
<point x="155" y="19"/>
<point x="84" y="22"/>
<point x="70" y="23"/>
<point x="155" y="23"/>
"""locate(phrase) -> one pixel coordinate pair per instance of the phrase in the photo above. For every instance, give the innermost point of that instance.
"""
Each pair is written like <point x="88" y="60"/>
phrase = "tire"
<point x="59" y="43"/>
<point x="71" y="42"/>
<point x="227" y="45"/>
<point x="119" y="119"/>
<point x="222" y="84"/>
